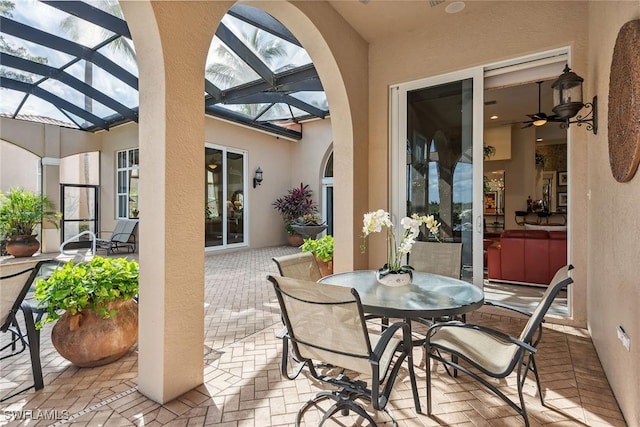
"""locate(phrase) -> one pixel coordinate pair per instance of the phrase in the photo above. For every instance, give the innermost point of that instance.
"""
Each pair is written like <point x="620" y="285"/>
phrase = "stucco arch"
<point x="340" y="56"/>
<point x="172" y="40"/>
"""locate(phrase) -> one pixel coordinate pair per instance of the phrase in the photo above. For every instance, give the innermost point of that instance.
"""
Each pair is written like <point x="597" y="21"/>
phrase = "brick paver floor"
<point x="243" y="385"/>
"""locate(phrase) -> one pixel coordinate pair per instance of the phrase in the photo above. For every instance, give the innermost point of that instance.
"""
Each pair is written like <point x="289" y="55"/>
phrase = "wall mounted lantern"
<point x="567" y="98"/>
<point x="257" y="179"/>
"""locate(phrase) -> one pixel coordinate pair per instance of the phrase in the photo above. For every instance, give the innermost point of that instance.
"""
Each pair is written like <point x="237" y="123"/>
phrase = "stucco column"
<point x="171" y="40"/>
<point x="50" y="162"/>
<point x="50" y="235"/>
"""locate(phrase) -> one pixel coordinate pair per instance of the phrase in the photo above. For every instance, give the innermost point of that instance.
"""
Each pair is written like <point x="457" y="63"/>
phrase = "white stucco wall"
<point x="285" y="164"/>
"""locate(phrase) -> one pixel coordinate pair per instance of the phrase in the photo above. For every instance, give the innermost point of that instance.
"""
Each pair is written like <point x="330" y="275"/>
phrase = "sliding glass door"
<point x="225" y="213"/>
<point x="436" y="159"/>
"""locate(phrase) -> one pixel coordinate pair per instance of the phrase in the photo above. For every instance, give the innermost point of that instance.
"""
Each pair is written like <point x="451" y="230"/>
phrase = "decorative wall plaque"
<point x="624" y="103"/>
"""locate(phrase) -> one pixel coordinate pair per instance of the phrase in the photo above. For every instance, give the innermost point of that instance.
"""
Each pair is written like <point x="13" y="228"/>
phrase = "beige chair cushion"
<point x="483" y="349"/>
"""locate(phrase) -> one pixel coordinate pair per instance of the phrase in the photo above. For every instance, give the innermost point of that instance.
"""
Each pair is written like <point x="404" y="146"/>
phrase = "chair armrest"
<point x="388" y="334"/>
<point x="507" y="307"/>
<point x="131" y="235"/>
<point x="489" y="331"/>
<point x="284" y="333"/>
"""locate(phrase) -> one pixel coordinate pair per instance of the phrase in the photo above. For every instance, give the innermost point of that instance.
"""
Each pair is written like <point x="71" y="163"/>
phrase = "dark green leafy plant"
<point x="322" y="248"/>
<point x="87" y="285"/>
<point x="22" y="210"/>
<point x="488" y="151"/>
<point x="295" y="204"/>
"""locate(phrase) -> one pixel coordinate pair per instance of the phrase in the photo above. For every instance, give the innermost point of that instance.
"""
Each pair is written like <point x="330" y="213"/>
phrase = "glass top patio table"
<point x="427" y="296"/>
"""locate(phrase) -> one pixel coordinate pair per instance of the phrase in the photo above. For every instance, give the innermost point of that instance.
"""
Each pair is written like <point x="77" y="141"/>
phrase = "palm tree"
<point x="92" y="36"/>
<point x="230" y="70"/>
<point x="6" y="7"/>
<point x="75" y="27"/>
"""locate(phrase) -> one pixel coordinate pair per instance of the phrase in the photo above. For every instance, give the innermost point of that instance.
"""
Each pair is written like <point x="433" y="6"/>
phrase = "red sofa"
<point x="527" y="256"/>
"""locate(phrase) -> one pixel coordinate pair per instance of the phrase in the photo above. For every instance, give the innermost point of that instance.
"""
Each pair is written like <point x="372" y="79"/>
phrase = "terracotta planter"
<point x="20" y="245"/>
<point x="295" y="239"/>
<point x="326" y="268"/>
<point x="86" y="339"/>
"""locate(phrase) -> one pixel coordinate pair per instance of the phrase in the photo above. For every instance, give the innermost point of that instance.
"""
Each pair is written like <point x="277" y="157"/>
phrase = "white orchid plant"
<point x="374" y="222"/>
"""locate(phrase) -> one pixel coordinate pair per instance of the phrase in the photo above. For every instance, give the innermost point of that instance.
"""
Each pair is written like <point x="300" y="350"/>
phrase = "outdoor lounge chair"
<point x="326" y="324"/>
<point x="123" y="236"/>
<point x="15" y="281"/>
<point x="493" y="353"/>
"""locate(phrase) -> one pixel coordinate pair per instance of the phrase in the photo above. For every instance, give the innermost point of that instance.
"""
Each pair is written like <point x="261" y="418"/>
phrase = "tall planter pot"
<point x="23" y="245"/>
<point x="295" y="239"/>
<point x="86" y="339"/>
<point x="326" y="267"/>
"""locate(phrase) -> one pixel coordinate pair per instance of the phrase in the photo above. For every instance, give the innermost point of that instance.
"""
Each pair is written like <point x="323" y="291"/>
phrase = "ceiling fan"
<point x="540" y="118"/>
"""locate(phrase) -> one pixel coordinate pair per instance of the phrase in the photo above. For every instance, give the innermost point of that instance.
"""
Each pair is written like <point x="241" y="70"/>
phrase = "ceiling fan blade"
<point x="555" y="118"/>
<point x="527" y="125"/>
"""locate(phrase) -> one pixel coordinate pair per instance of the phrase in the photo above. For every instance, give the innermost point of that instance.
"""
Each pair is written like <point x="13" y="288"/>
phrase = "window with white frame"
<point x="127" y="174"/>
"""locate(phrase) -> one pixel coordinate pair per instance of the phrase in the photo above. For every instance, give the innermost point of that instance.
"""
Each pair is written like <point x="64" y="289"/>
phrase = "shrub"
<point x="87" y="285"/>
<point x="296" y="204"/>
<point x="22" y="210"/>
<point x="322" y="248"/>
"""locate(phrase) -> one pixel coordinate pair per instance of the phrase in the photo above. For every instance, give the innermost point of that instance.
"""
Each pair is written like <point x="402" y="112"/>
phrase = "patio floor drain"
<point x="95" y="406"/>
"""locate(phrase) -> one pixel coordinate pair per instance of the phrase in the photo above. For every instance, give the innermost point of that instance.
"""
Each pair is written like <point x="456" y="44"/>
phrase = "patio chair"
<point x="302" y="266"/>
<point x="122" y="236"/>
<point x="437" y="258"/>
<point x="493" y="353"/>
<point x="440" y="258"/>
<point x="15" y="282"/>
<point x="326" y="324"/>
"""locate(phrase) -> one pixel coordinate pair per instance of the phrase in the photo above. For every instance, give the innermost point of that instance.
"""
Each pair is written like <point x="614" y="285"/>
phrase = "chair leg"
<point x="344" y="402"/>
<point x="521" y="380"/>
<point x="534" y="368"/>
<point x="427" y="370"/>
<point x="33" y="336"/>
<point x="414" y="386"/>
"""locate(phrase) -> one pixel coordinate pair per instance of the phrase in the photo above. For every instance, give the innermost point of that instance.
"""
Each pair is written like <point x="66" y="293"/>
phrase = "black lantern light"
<point x="257" y="179"/>
<point x="567" y="101"/>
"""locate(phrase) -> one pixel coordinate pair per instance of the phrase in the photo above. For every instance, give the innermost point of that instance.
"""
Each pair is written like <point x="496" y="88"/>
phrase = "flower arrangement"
<point x="313" y="218"/>
<point x="374" y="222"/>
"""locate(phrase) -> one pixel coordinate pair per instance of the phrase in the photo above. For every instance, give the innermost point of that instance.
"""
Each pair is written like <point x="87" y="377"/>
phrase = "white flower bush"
<point x="375" y="222"/>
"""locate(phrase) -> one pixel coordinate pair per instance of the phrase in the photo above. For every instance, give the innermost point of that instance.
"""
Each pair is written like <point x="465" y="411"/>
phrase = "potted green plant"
<point x="294" y="206"/>
<point x="322" y="249"/>
<point x="20" y="212"/>
<point x="100" y="319"/>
